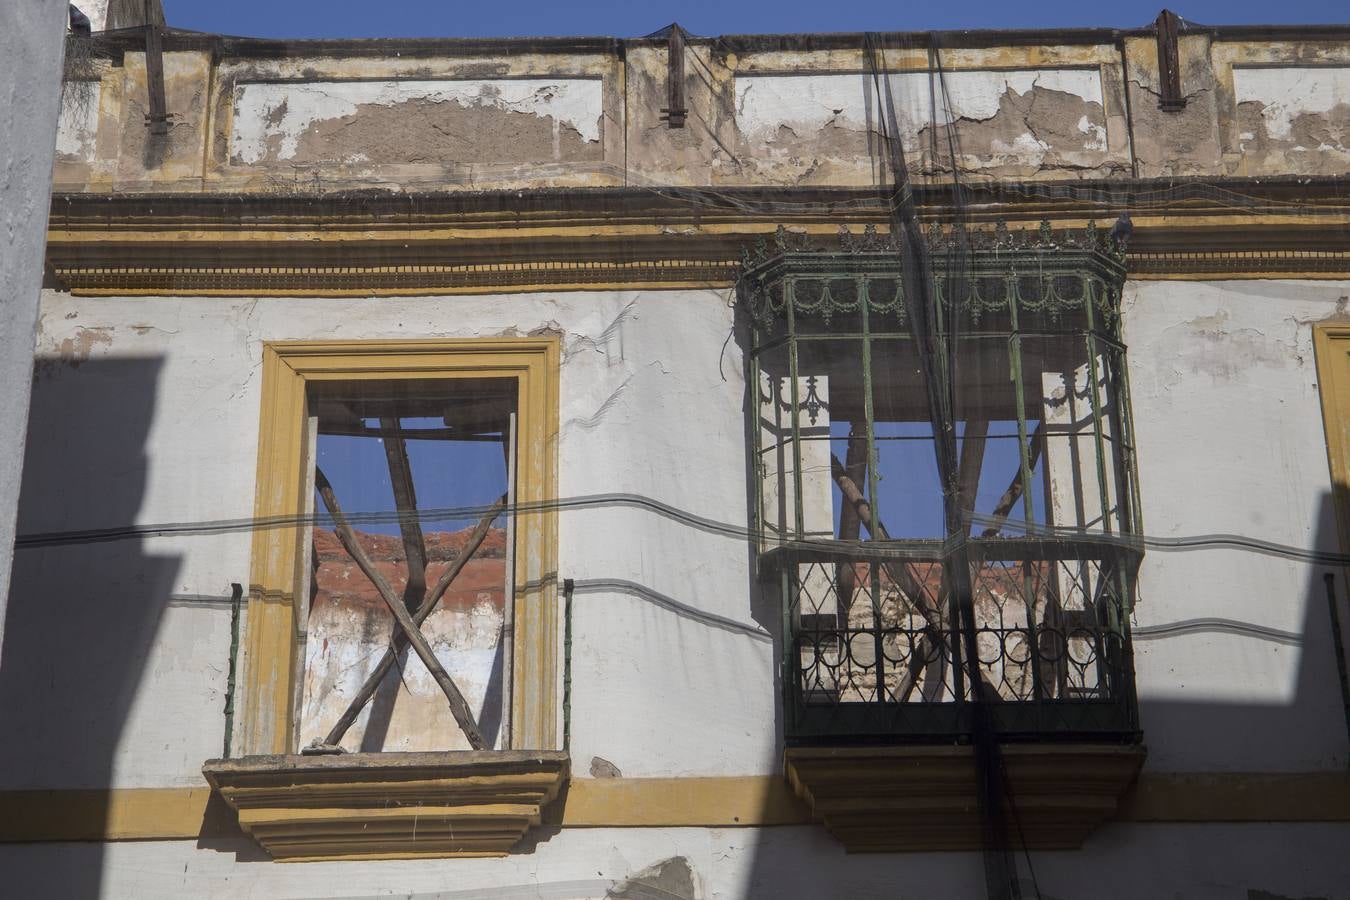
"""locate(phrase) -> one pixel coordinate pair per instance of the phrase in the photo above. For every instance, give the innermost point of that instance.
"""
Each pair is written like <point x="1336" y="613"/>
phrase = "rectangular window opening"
<point x="421" y="471"/>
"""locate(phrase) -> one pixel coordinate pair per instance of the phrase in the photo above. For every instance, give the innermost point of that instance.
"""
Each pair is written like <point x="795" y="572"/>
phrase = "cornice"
<point x="384" y="243"/>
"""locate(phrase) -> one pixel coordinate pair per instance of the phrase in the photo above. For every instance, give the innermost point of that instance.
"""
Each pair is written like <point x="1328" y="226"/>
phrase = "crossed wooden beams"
<point x="417" y="602"/>
<point x="857" y="511"/>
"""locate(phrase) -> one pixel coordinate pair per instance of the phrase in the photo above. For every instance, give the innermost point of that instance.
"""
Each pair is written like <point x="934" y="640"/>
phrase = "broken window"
<point x="411" y="482"/>
<point x="852" y="505"/>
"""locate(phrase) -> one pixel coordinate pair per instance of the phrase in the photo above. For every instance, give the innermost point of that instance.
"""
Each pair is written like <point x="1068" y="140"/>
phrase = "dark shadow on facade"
<point x="83" y="617"/>
<point x="1208" y="734"/>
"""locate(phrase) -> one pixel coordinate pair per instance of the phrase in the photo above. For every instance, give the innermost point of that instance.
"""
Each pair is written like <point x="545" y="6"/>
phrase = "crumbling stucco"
<point x="1294" y="120"/>
<point x="700" y="151"/>
<point x="1173" y="142"/>
<point x="78" y="125"/>
<point x="177" y="155"/>
<point x="374" y="122"/>
<point x="669" y="879"/>
<point x="823" y="128"/>
<point x="297" y="124"/>
<point x="71" y="351"/>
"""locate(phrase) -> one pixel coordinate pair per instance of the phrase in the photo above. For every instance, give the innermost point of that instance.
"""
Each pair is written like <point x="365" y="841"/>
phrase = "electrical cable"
<point x="927" y="550"/>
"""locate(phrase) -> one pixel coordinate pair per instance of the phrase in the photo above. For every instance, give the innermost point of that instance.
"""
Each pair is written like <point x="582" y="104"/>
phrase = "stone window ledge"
<point x="389" y="805"/>
<point x="909" y="799"/>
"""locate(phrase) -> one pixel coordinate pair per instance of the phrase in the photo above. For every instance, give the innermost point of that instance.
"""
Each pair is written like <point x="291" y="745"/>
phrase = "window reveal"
<point x="394" y="462"/>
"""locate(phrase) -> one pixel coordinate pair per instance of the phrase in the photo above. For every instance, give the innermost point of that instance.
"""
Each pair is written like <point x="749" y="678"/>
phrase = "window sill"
<point x="389" y="805"/>
<point x="910" y="799"/>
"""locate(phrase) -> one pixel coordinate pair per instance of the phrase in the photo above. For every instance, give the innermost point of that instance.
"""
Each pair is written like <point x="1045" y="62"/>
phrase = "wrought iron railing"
<point x="875" y="649"/>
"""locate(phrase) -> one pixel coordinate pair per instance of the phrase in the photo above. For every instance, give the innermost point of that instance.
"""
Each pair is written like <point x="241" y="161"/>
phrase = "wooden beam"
<point x="459" y="707"/>
<point x="405" y="501"/>
<point x="1014" y="491"/>
<point x="386" y="662"/>
<point x="855" y="466"/>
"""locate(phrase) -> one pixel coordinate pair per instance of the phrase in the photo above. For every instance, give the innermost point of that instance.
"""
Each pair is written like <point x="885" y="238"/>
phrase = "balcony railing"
<point x="875" y="649"/>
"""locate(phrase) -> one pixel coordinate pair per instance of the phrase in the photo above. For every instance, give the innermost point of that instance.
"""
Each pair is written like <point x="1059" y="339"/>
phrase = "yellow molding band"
<point x="1255" y="275"/>
<point x="123" y="814"/>
<point x="120" y="814"/>
<point x="726" y="802"/>
<point x="172" y="234"/>
<point x="1268" y="275"/>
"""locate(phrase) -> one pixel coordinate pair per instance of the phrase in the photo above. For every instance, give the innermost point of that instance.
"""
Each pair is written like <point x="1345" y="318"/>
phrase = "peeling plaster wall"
<point x="78" y="127"/>
<point x="1294" y="120"/>
<point x="1182" y="142"/>
<point x="768" y="117"/>
<point x="351" y="123"/>
<point x="96" y="11"/>
<point x="823" y="128"/>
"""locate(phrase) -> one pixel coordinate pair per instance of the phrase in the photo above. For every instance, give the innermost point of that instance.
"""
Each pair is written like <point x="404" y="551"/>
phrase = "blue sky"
<point x="446" y="18"/>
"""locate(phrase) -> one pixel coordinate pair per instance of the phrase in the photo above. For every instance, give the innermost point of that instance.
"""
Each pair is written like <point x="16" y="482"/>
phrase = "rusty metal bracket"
<point x="1166" y="27"/>
<point x="158" y="118"/>
<point x="675" y="112"/>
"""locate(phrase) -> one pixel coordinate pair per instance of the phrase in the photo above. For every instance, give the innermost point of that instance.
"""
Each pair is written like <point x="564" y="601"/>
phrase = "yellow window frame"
<point x="271" y="644"/>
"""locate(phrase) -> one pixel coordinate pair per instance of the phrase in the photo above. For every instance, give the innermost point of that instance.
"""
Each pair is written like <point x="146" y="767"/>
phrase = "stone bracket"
<point x="920" y="799"/>
<point x="389" y="805"/>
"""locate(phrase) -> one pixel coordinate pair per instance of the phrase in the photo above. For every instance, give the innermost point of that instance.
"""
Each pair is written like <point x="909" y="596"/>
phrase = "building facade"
<point x="803" y="465"/>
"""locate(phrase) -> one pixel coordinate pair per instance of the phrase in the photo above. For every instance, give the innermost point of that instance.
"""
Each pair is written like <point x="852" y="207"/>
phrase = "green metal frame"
<point x="1070" y="286"/>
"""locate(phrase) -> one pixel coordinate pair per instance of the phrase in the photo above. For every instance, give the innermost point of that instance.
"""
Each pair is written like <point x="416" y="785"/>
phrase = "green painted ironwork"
<point x="1051" y="602"/>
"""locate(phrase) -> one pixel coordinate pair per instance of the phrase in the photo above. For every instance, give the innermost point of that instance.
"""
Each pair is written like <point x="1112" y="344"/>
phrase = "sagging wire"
<point x="1136" y="541"/>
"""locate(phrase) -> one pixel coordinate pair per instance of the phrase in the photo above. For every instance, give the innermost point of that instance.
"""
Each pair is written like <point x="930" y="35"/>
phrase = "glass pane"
<point x="417" y="470"/>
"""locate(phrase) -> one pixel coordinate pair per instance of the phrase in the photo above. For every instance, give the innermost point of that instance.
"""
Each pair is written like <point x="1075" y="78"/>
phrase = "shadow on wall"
<point x="1254" y="860"/>
<point x="1309" y="731"/>
<point x="82" y="617"/>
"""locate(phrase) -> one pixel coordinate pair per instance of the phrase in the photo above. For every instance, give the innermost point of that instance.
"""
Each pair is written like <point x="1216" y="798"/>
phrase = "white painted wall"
<point x="32" y="33"/>
<point x="672" y="659"/>
<point x="1211" y="862"/>
<point x="1229" y="426"/>
<point x="651" y="391"/>
<point x="1287" y="91"/>
<point x="673" y="663"/>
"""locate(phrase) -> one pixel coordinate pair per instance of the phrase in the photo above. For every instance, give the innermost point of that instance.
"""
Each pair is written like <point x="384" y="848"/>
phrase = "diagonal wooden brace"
<point x="459" y="707"/>
<point x="386" y="662"/>
<point x="900" y="573"/>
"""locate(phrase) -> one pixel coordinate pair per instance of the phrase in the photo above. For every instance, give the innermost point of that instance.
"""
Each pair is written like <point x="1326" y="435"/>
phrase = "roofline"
<point x="252" y="47"/>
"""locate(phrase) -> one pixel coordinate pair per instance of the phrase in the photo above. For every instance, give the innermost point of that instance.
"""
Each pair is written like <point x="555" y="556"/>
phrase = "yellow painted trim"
<point x="121" y="814"/>
<point x="267" y="697"/>
<point x="478" y="290"/>
<point x="715" y="802"/>
<point x="1331" y="345"/>
<point x="1234" y="797"/>
<point x="679" y="802"/>
<point x="1254" y="275"/>
<point x="817" y="225"/>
